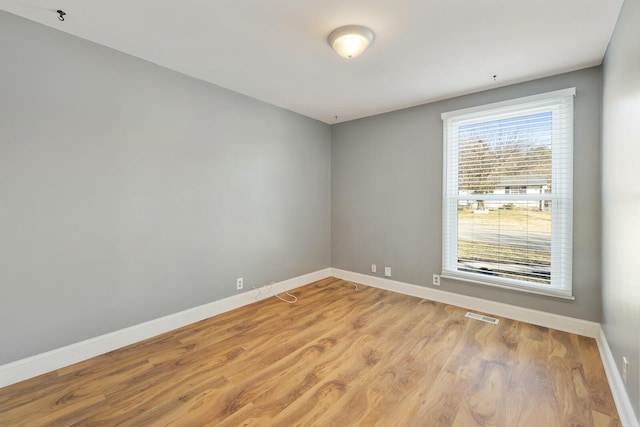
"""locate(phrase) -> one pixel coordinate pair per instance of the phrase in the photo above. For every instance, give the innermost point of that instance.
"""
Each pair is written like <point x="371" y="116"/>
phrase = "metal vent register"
<point x="481" y="318"/>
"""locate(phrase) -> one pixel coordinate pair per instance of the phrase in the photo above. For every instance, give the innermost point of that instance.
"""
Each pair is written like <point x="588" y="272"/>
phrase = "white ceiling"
<point x="276" y="50"/>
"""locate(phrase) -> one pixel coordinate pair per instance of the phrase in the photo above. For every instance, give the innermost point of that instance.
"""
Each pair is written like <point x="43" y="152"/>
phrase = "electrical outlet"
<point x="387" y="271"/>
<point x="436" y="280"/>
<point x="239" y="283"/>
<point x="374" y="268"/>
<point x="625" y="369"/>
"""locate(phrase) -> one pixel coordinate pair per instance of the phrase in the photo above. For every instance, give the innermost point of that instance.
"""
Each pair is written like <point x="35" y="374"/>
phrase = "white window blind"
<point x="507" y="197"/>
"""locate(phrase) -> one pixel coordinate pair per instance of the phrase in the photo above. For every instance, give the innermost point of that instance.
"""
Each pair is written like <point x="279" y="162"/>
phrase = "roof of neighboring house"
<point x="524" y="180"/>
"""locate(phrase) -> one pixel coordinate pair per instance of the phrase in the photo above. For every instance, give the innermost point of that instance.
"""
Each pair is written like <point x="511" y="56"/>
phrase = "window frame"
<point x="561" y="197"/>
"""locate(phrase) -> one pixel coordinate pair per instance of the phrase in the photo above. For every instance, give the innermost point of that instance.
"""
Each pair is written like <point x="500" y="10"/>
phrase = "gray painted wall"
<point x="621" y="195"/>
<point x="386" y="193"/>
<point x="128" y="191"/>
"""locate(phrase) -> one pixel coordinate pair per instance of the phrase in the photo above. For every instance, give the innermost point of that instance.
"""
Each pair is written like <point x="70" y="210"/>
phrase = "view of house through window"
<point x="507" y="194"/>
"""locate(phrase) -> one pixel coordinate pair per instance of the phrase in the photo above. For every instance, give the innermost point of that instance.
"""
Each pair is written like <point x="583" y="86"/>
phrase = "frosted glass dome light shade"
<point x="351" y="40"/>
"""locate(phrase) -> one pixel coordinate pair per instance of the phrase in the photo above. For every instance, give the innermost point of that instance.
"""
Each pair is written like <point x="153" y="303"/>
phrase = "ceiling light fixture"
<point x="351" y="40"/>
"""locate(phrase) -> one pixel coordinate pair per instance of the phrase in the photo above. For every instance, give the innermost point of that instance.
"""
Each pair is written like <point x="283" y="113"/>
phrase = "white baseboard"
<point x="535" y="317"/>
<point x="55" y="359"/>
<point x="620" y="396"/>
<point x="33" y="366"/>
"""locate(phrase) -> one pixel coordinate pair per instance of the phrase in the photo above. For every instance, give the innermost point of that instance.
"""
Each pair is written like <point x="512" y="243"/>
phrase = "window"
<point x="521" y="189"/>
<point x="507" y="196"/>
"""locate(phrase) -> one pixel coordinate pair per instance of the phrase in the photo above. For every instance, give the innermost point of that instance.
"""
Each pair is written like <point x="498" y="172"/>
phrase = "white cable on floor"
<point x="295" y="298"/>
<point x="352" y="284"/>
<point x="284" y="290"/>
<point x="260" y="289"/>
<point x="268" y="291"/>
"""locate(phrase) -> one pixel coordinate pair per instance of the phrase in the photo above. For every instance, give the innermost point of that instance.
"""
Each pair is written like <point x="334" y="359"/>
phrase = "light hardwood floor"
<point x="335" y="358"/>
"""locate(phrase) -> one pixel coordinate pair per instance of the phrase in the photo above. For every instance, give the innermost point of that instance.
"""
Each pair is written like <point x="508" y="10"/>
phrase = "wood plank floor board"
<point x="597" y="384"/>
<point x="530" y="398"/>
<point x="337" y="357"/>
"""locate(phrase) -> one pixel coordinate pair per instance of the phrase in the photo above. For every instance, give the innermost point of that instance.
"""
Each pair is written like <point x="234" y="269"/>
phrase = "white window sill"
<point x="530" y="290"/>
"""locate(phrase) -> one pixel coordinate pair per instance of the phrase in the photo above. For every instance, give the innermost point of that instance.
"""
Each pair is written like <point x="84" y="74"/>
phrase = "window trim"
<point x="560" y="236"/>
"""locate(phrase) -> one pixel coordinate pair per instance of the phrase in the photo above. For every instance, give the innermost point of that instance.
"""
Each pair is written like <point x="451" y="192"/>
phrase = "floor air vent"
<point x="481" y="318"/>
